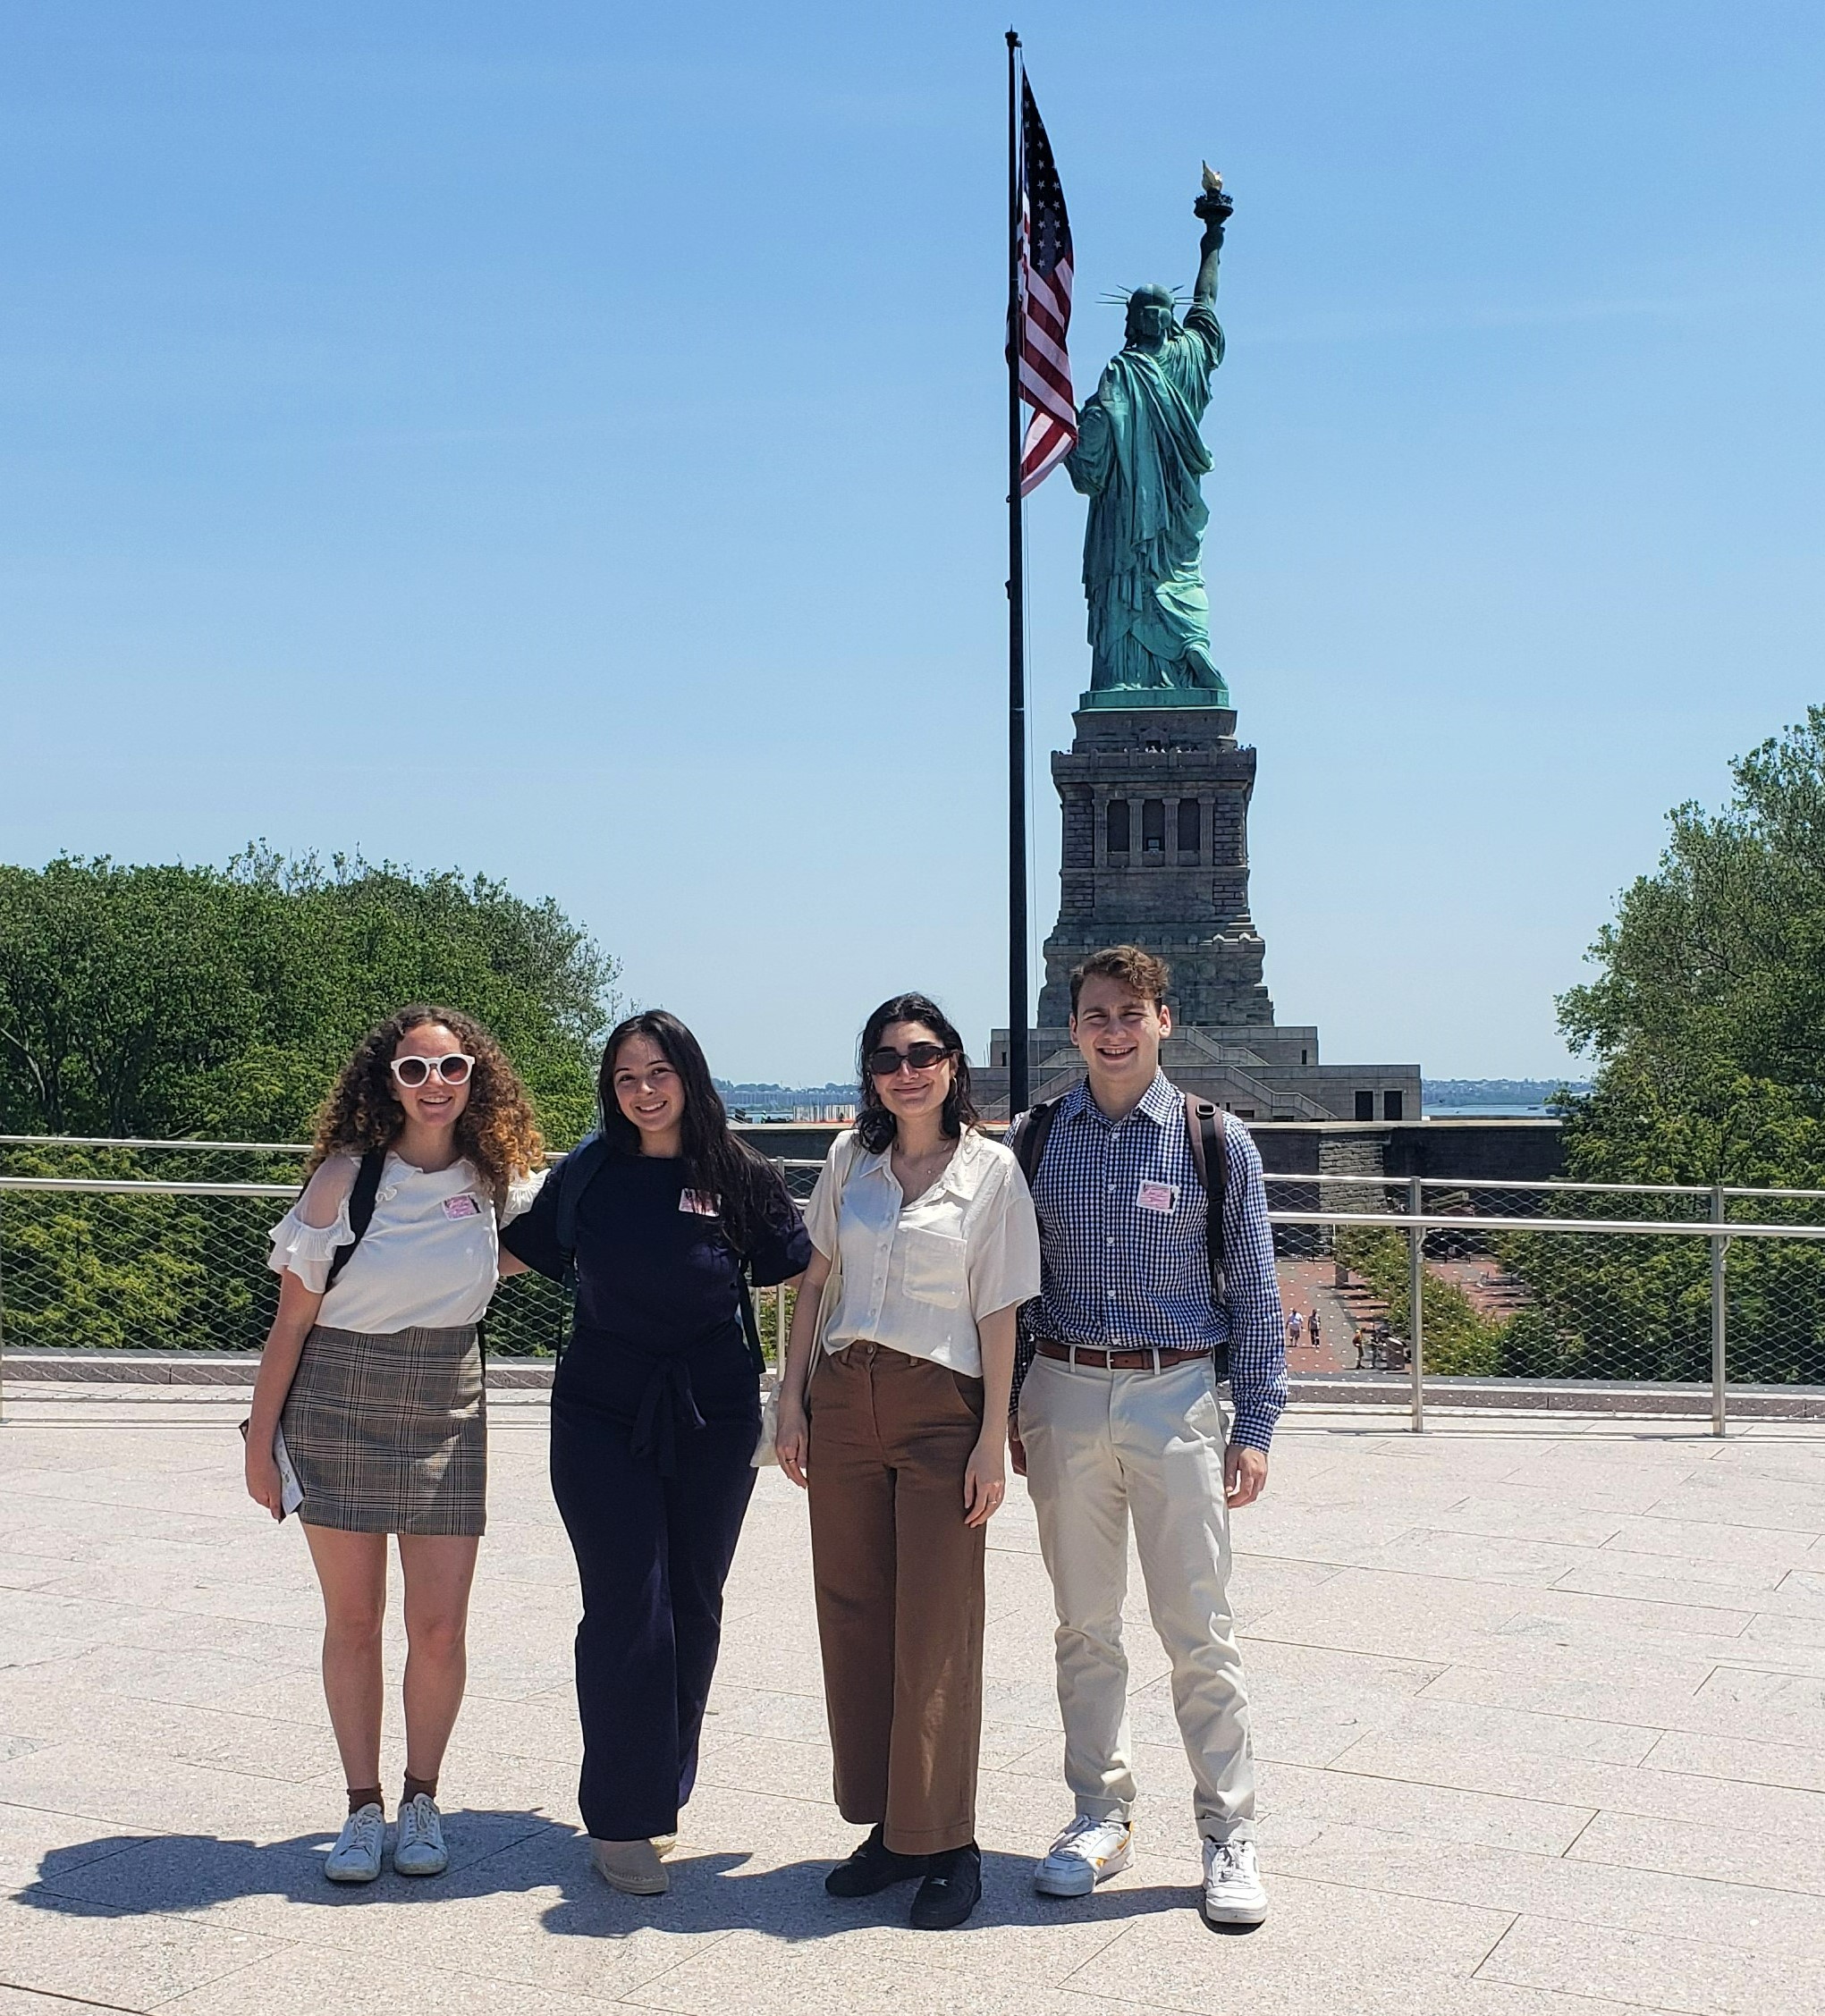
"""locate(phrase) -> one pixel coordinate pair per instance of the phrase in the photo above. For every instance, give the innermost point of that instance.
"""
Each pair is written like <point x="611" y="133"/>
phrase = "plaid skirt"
<point x="390" y="1434"/>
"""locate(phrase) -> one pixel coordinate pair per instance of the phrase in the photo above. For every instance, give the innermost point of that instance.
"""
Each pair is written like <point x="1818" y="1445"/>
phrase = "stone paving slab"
<point x="1540" y="1710"/>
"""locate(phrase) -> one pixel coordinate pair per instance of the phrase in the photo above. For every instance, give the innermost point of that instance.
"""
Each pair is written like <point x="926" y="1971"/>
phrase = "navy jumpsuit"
<point x="655" y="1409"/>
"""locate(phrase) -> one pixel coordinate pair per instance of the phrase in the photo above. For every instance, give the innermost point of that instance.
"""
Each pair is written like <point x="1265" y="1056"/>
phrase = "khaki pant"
<point x="900" y="1591"/>
<point x="1101" y="1445"/>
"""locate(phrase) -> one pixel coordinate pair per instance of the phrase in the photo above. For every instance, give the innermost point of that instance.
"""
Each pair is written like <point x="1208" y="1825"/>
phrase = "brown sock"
<point x="414" y="1786"/>
<point x="365" y="1795"/>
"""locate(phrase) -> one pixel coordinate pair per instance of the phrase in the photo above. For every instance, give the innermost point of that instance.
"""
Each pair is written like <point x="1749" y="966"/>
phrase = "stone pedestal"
<point x="1155" y="853"/>
<point x="1156" y="798"/>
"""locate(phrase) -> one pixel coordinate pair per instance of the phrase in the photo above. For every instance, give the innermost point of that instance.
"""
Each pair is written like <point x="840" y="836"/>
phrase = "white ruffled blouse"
<point x="427" y="1260"/>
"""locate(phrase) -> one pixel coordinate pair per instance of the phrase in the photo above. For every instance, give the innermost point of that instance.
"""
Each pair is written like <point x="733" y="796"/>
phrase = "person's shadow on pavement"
<point x="501" y="1853"/>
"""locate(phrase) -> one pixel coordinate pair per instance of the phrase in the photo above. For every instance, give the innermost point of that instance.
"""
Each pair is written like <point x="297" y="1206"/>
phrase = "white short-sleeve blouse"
<point x="427" y="1260"/>
<point x="919" y="1275"/>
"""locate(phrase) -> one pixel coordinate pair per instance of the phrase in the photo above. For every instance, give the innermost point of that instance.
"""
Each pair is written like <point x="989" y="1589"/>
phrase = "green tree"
<point x="162" y="1001"/>
<point x="1708" y="1017"/>
<point x="1707" y="1020"/>
<point x="166" y="1002"/>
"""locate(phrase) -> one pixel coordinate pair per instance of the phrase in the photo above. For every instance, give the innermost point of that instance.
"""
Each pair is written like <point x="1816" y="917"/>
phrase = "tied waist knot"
<point x="667" y="1403"/>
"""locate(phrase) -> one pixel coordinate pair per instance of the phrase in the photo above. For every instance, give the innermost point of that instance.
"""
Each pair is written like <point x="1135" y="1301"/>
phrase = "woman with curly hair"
<point x="370" y="1385"/>
<point x="656" y="1415"/>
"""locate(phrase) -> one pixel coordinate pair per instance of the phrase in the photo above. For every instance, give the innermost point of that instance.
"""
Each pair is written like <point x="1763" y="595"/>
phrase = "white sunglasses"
<point x="413" y="1071"/>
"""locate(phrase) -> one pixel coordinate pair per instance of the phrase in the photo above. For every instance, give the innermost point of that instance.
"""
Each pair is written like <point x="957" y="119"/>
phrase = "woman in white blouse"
<point x="370" y="1386"/>
<point x="893" y="1408"/>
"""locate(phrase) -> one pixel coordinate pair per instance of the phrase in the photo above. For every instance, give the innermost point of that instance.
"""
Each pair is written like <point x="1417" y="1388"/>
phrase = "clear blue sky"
<point x="565" y="441"/>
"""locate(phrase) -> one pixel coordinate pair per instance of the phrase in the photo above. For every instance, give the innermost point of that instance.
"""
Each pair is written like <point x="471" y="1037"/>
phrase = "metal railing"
<point x="162" y="1244"/>
<point x="1564" y="1281"/>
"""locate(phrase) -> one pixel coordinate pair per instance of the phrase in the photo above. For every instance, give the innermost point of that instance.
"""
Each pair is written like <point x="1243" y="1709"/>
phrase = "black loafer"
<point x="951" y="1890"/>
<point x="874" y="1866"/>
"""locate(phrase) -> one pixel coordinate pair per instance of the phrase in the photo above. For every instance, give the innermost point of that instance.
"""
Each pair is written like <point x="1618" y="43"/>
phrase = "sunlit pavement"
<point x="1540" y="1707"/>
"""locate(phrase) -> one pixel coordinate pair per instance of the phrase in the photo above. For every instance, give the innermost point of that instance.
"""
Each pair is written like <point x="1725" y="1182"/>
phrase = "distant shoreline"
<point x="1493" y="1111"/>
<point x="1442" y="1099"/>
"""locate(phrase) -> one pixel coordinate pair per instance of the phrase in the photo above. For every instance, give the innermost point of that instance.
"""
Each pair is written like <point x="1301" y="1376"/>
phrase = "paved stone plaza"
<point x="1538" y="1704"/>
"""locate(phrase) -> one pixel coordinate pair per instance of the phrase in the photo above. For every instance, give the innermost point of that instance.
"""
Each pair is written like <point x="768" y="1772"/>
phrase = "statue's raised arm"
<point x="1214" y="208"/>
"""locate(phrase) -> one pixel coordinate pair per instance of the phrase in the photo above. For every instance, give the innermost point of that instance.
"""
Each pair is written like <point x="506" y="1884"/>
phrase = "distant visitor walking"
<point x="370" y="1385"/>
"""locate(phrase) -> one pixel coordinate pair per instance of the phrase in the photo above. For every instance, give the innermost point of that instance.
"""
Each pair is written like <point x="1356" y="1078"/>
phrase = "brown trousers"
<point x="900" y="1591"/>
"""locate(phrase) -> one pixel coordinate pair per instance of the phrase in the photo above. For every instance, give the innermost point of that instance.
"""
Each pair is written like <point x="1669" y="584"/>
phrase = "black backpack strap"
<point x="750" y="1326"/>
<point x="575" y="1174"/>
<point x="1203" y="1127"/>
<point x="1027" y="1138"/>
<point x="1028" y="1135"/>
<point x="360" y="1210"/>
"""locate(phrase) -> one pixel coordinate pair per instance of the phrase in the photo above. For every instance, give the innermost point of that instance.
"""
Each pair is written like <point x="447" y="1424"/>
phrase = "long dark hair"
<point x="874" y="1125"/>
<point x="715" y="1162"/>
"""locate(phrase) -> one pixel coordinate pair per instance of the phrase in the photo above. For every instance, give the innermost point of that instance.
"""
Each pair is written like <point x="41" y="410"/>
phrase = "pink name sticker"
<point x="462" y="1207"/>
<point x="1161" y="1197"/>
<point x="701" y="1203"/>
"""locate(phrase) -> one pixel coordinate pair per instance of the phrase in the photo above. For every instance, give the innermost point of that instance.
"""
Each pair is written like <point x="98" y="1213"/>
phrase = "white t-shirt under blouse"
<point x="429" y="1260"/>
<point x="918" y="1276"/>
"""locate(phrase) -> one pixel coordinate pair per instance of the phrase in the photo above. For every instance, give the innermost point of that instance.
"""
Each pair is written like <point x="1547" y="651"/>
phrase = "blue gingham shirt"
<point x="1120" y="1278"/>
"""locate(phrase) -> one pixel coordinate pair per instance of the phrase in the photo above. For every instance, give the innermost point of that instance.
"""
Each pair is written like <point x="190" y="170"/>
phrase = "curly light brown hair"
<point x="495" y="1131"/>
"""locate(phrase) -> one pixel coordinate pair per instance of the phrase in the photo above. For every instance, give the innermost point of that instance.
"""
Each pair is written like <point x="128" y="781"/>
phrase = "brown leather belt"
<point x="1114" y="1360"/>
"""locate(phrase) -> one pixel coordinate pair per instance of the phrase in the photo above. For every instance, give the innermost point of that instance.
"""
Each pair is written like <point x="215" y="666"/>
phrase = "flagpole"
<point x="1017" y="1062"/>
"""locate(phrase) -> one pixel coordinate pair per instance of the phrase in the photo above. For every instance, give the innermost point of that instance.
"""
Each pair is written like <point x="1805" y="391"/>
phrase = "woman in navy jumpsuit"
<point x="655" y="1413"/>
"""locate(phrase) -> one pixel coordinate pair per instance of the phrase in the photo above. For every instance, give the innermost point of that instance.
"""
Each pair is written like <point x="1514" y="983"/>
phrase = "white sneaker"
<point x="356" y="1856"/>
<point x="632" y="1866"/>
<point x="1232" y="1891"/>
<point x="1086" y="1852"/>
<point x="417" y="1847"/>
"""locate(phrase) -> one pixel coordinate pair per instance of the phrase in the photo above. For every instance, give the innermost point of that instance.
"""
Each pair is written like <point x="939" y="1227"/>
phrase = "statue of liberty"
<point x="1140" y="459"/>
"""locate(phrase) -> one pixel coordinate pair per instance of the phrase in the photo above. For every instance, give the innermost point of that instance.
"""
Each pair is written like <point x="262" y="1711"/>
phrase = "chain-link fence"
<point x="1662" y="1284"/>
<point x="161" y="1245"/>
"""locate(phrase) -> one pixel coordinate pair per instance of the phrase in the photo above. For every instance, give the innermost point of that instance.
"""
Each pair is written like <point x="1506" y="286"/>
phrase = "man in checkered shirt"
<point x="1118" y="1415"/>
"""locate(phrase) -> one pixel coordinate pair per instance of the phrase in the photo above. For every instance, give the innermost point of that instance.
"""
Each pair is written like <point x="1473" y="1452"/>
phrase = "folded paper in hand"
<point x="291" y="1491"/>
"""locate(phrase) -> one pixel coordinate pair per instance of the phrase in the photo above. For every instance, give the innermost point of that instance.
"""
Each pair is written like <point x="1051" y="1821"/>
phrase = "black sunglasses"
<point x="885" y="1062"/>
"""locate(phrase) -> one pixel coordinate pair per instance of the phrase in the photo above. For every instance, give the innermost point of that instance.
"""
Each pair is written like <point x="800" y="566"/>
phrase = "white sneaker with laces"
<point x="356" y="1856"/>
<point x="417" y="1847"/>
<point x="1232" y="1889"/>
<point x="1083" y="1855"/>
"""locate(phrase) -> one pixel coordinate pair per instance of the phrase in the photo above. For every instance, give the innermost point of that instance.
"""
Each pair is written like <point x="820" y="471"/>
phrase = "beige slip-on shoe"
<point x="632" y="1866"/>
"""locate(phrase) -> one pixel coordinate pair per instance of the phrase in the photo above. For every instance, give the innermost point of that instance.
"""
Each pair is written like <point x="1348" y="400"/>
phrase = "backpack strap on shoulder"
<point x="575" y="1173"/>
<point x="1203" y="1127"/>
<point x="360" y="1210"/>
<point x="1029" y="1134"/>
<point x="750" y="1325"/>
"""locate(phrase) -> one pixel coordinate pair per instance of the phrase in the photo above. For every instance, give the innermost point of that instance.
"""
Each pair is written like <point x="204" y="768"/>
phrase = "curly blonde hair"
<point x="496" y="1130"/>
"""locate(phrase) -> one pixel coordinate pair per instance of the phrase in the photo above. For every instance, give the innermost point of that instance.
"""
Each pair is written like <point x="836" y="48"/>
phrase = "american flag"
<point x="1046" y="303"/>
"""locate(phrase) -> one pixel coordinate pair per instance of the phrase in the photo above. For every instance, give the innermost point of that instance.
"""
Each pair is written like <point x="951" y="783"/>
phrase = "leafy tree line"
<point x="143" y="1001"/>
<point x="1707" y="1020"/>
<point x="168" y="1002"/>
